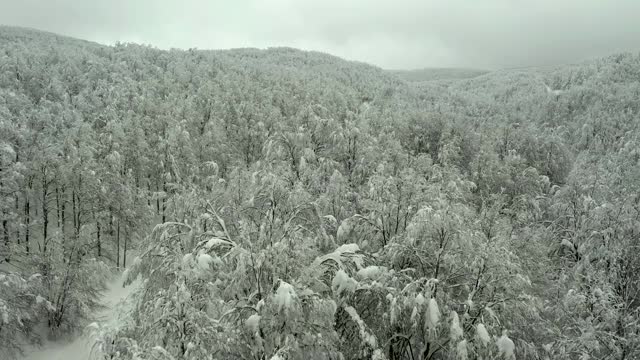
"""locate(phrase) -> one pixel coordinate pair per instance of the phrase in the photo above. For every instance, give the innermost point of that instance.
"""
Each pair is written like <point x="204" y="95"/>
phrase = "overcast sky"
<point x="390" y="34"/>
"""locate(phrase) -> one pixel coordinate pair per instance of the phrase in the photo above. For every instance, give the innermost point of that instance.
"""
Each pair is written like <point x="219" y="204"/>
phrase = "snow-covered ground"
<point x="80" y="347"/>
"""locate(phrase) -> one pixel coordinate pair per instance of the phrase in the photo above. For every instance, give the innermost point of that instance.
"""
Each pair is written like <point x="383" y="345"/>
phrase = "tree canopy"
<point x="285" y="204"/>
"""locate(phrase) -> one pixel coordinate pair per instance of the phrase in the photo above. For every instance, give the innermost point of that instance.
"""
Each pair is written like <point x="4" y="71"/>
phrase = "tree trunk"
<point x="5" y="229"/>
<point x="5" y="226"/>
<point x="73" y="208"/>
<point x="17" y="203"/>
<point x="111" y="223"/>
<point x="124" y="257"/>
<point x="58" y="205"/>
<point x="77" y="214"/>
<point x="99" y="245"/>
<point x="118" y="245"/>
<point x="157" y="199"/>
<point x="63" y="213"/>
<point x="164" y="201"/>
<point x="45" y="227"/>
<point x="27" y="214"/>
<point x="45" y="216"/>
<point x="17" y="199"/>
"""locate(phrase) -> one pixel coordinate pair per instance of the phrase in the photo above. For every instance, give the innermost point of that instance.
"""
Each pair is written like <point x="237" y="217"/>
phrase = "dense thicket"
<point x="309" y="207"/>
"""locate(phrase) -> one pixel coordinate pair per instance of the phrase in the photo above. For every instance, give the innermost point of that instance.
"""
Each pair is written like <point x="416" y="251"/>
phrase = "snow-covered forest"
<point x="284" y="204"/>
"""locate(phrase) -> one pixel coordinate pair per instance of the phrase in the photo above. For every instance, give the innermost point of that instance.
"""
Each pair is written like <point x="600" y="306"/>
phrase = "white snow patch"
<point x="433" y="315"/>
<point x="347" y="248"/>
<point x="461" y="350"/>
<point x="204" y="261"/>
<point x="187" y="259"/>
<point x="378" y="355"/>
<point x="408" y="301"/>
<point x="215" y="242"/>
<point x="125" y="274"/>
<point x="567" y="243"/>
<point x="40" y="300"/>
<point x="7" y="149"/>
<point x="372" y="272"/>
<point x="342" y="283"/>
<point x="367" y="337"/>
<point x="455" y="331"/>
<point x="342" y="253"/>
<point x="343" y="230"/>
<point x="393" y="310"/>
<point x="482" y="334"/>
<point x="469" y="303"/>
<point x="260" y="305"/>
<point x="506" y="347"/>
<point x="253" y="323"/>
<point x="414" y="315"/>
<point x="285" y="296"/>
<point x="5" y="314"/>
<point x="491" y="312"/>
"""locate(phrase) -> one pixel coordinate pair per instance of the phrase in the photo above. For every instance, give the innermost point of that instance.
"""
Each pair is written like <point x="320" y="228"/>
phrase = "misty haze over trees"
<point x="284" y="204"/>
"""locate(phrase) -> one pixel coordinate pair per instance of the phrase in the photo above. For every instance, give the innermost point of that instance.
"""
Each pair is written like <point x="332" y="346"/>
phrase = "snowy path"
<point x="80" y="348"/>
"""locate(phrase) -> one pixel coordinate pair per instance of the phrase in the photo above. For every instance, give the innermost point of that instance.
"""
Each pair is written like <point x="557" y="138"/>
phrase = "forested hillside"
<point x="293" y="205"/>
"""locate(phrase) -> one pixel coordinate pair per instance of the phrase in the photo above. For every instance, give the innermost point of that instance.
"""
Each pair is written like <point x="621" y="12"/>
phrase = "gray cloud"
<point x="391" y="34"/>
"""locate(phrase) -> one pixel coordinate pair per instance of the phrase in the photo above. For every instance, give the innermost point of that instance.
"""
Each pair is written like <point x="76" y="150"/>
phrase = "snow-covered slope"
<point x="80" y="347"/>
